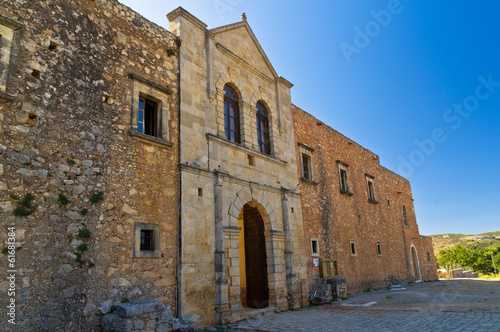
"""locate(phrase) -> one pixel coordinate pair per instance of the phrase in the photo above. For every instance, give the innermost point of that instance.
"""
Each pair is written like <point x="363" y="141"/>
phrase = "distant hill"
<point x="485" y="240"/>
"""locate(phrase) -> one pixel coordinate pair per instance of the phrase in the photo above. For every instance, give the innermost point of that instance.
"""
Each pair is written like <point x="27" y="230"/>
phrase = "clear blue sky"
<point x="389" y="74"/>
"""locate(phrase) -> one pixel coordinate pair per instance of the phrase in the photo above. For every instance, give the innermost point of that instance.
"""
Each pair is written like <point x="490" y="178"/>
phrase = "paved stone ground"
<point x="449" y="305"/>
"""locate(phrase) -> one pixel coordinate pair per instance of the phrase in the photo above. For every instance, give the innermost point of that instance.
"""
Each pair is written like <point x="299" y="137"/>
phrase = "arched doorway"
<point x="416" y="267"/>
<point x="254" y="289"/>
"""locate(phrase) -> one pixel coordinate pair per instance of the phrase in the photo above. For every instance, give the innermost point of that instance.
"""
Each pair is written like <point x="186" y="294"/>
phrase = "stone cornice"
<point x="179" y="11"/>
<point x="232" y="179"/>
<point x="13" y="24"/>
<point x="284" y="81"/>
<point x="245" y="149"/>
<point x="307" y="147"/>
<point x="242" y="62"/>
<point x="152" y="84"/>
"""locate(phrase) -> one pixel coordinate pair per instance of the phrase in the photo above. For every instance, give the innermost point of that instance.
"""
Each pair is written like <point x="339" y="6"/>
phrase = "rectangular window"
<point x="150" y="114"/>
<point x="379" y="249"/>
<point x="370" y="188"/>
<point x="147" y="239"/>
<point x="388" y="203"/>
<point x="8" y="28"/>
<point x="343" y="179"/>
<point x="429" y="257"/>
<point x="147" y="119"/>
<point x="353" y="248"/>
<point x="314" y="246"/>
<point x="305" y="166"/>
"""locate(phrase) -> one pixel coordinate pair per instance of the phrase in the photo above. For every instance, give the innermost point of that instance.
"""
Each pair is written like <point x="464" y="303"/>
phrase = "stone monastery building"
<point x="140" y="163"/>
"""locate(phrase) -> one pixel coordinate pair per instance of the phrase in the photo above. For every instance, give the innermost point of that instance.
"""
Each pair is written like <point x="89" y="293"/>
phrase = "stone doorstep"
<point x="254" y="313"/>
<point x="358" y="304"/>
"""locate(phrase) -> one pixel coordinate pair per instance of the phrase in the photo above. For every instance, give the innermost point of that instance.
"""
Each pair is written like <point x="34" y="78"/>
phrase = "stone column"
<point x="221" y="296"/>
<point x="293" y="302"/>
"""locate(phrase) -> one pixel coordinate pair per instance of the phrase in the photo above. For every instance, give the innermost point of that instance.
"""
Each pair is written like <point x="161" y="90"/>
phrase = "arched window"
<point x="263" y="129"/>
<point x="405" y="215"/>
<point x="231" y="115"/>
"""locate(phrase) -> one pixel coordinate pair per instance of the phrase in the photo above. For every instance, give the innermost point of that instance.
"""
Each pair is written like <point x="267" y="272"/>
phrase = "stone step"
<point x="254" y="313"/>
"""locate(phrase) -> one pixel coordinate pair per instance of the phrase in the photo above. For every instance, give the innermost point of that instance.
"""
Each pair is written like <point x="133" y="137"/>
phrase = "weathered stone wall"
<point x="65" y="135"/>
<point x="210" y="59"/>
<point x="337" y="218"/>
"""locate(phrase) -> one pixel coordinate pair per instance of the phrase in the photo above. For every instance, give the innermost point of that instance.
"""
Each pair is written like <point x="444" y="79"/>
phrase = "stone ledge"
<point x="309" y="181"/>
<point x="11" y="23"/>
<point x="245" y="149"/>
<point x="150" y="83"/>
<point x="150" y="139"/>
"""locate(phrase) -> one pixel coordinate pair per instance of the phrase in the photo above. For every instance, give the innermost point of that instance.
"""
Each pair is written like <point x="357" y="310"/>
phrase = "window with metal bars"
<point x="147" y="240"/>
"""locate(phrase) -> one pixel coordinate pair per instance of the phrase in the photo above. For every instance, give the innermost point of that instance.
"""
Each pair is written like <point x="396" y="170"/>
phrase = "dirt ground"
<point x="457" y="295"/>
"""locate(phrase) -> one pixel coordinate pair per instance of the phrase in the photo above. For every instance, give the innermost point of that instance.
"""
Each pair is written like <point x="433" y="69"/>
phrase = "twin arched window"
<point x="232" y="121"/>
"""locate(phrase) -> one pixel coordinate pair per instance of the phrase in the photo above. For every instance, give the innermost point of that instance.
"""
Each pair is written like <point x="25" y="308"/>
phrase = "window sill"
<point x="309" y="181"/>
<point x="372" y="201"/>
<point x="347" y="193"/>
<point x="150" y="139"/>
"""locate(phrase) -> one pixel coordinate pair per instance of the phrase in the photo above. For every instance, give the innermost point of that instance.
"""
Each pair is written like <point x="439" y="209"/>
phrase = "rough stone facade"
<point x="219" y="178"/>
<point x="118" y="175"/>
<point x="338" y="219"/>
<point x="69" y="139"/>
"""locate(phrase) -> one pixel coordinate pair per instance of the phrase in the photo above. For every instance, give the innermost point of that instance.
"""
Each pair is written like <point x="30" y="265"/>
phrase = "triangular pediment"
<point x="239" y="39"/>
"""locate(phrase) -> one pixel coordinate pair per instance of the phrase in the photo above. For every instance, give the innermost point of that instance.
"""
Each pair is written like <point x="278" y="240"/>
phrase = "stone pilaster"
<point x="290" y="275"/>
<point x="221" y="282"/>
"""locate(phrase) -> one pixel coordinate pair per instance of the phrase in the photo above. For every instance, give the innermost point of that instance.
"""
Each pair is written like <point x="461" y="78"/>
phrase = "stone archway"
<point x="257" y="204"/>
<point x="416" y="266"/>
<point x="254" y="287"/>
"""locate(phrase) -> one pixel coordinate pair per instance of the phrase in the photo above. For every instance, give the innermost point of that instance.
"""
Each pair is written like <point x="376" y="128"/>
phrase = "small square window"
<point x="379" y="249"/>
<point x="353" y="248"/>
<point x="146" y="240"/>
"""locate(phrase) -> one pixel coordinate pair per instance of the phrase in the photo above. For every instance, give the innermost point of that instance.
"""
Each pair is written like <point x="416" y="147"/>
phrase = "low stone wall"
<point x="142" y="315"/>
<point x="456" y="274"/>
<point x="328" y="289"/>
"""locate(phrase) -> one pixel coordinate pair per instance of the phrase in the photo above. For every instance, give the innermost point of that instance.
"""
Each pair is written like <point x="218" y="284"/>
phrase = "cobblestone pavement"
<point x="464" y="305"/>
